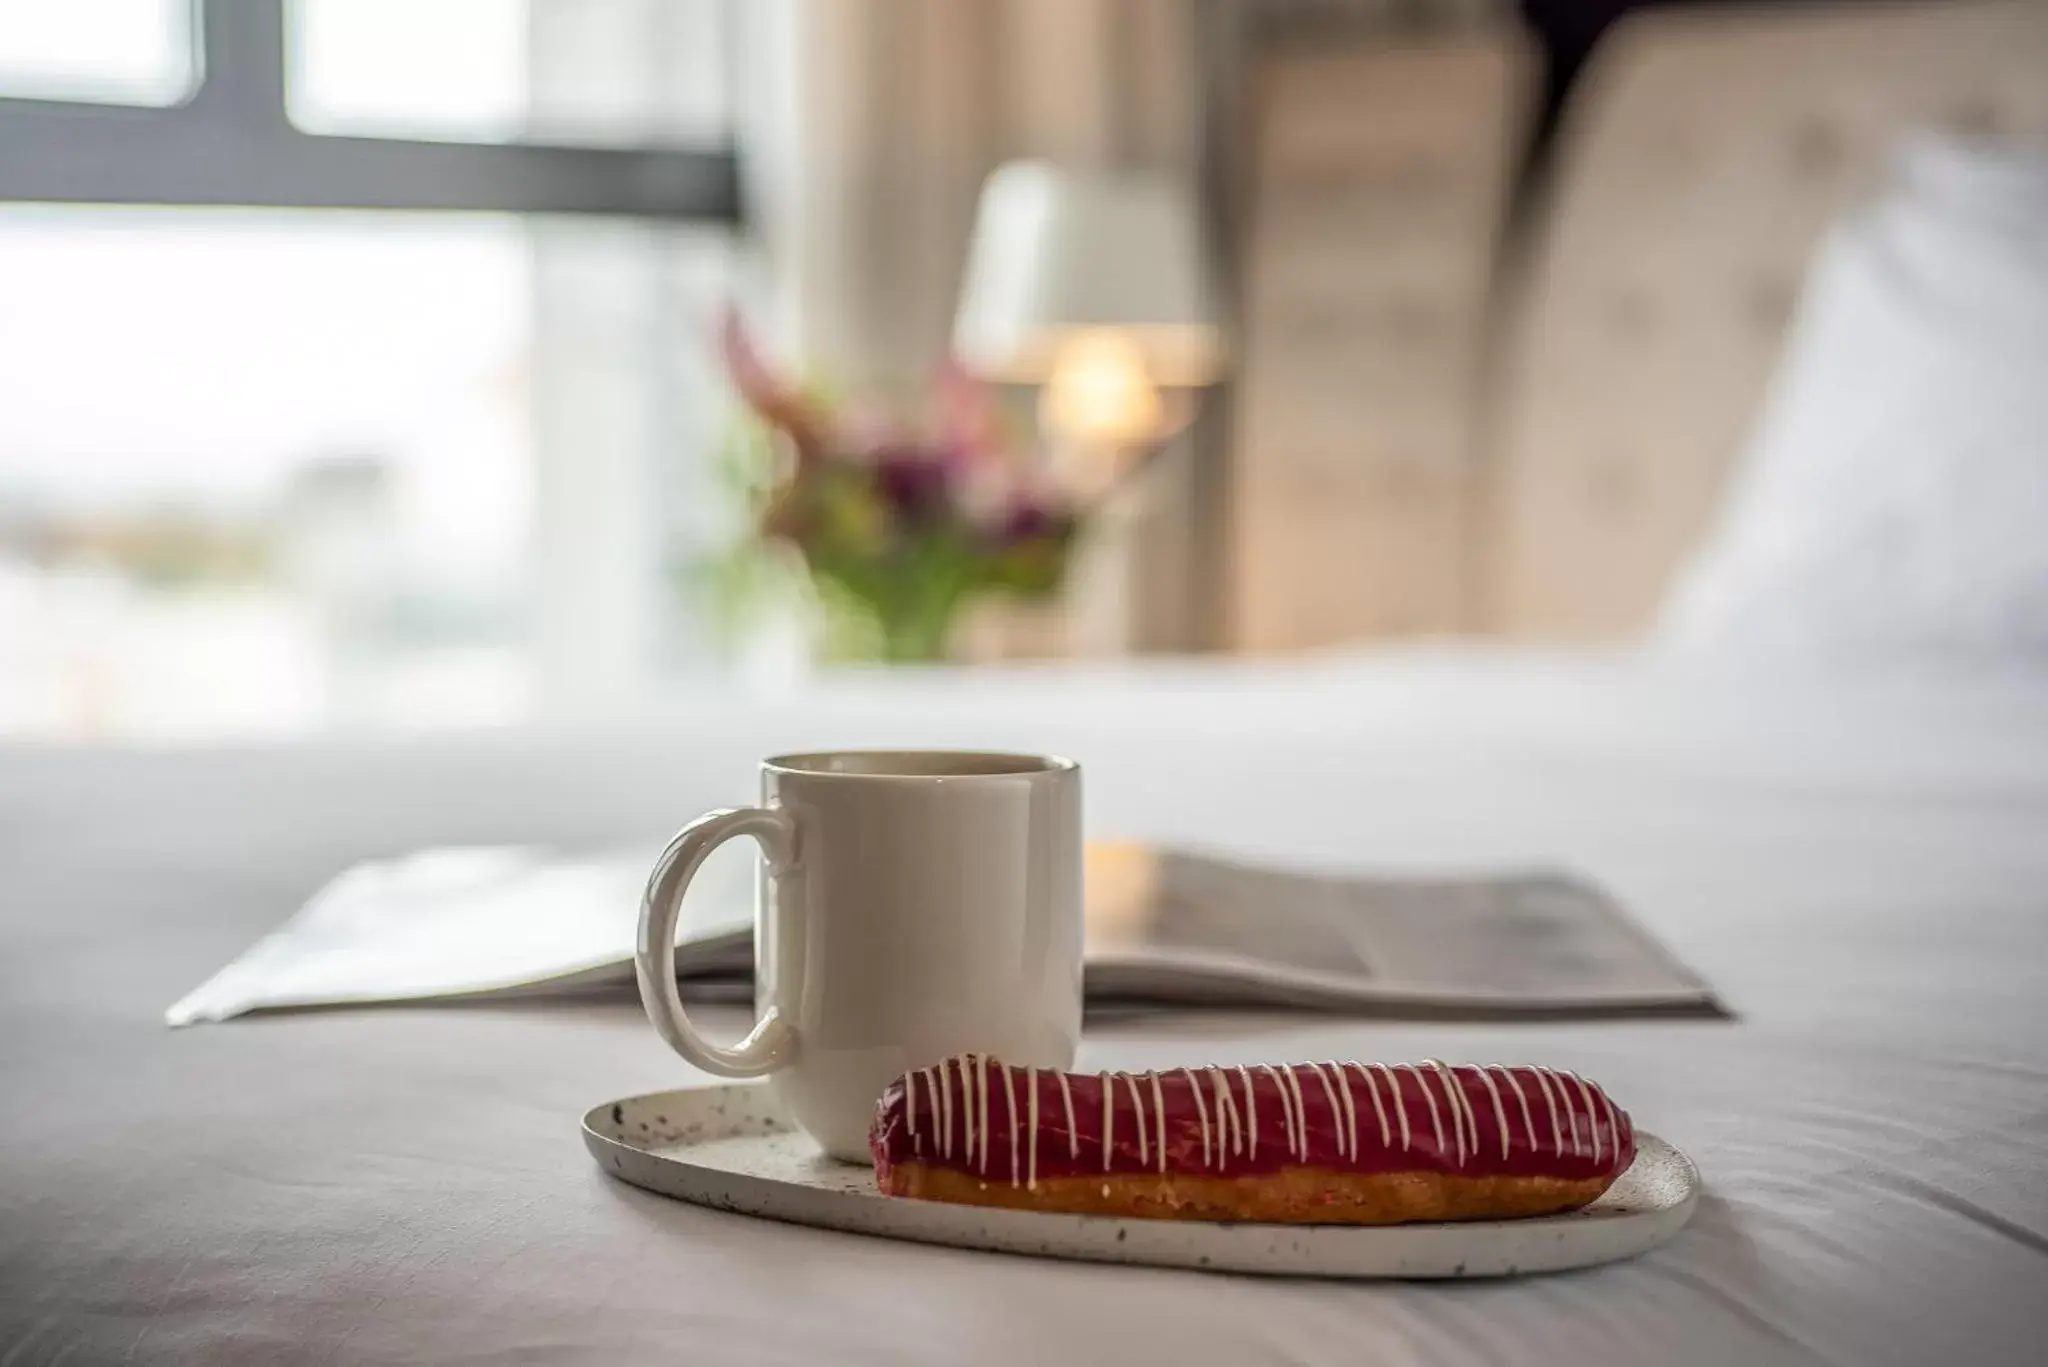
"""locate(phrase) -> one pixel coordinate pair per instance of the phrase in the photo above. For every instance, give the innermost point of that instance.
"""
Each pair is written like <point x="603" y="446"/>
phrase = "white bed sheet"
<point x="1860" y="867"/>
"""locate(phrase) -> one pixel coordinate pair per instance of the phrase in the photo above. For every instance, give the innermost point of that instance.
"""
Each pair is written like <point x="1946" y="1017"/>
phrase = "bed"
<point x="1858" y="870"/>
<point x="1854" y="858"/>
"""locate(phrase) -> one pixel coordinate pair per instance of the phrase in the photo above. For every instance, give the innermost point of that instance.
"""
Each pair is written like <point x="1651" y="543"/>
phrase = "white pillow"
<point x="1892" y="505"/>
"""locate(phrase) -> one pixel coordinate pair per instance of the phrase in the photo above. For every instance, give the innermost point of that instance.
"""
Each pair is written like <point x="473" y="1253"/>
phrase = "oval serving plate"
<point x="732" y="1148"/>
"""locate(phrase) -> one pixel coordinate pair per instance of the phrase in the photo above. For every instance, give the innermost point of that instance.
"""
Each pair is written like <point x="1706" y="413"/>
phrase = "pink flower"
<point x="779" y="404"/>
<point x="963" y="418"/>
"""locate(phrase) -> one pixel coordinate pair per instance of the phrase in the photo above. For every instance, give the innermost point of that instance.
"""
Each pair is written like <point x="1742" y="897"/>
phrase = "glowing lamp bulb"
<point x="1100" y="394"/>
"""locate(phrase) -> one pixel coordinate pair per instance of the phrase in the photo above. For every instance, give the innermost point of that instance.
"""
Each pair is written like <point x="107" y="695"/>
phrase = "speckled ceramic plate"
<point x="732" y="1148"/>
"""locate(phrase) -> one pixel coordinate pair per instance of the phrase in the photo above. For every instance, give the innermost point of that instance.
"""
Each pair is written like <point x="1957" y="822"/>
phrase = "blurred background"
<point x="361" y="365"/>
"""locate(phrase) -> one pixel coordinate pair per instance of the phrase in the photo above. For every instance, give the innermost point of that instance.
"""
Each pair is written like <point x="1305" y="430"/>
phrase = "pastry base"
<point x="1303" y="1196"/>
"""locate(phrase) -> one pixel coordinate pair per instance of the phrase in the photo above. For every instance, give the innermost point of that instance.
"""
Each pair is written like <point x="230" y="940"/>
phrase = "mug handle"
<point x="771" y="1044"/>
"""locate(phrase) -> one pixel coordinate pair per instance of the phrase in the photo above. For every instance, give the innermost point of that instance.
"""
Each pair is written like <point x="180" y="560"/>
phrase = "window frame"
<point x="231" y="142"/>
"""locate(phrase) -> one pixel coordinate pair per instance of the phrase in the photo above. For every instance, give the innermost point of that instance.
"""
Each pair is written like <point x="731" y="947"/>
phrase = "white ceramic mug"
<point x="912" y="905"/>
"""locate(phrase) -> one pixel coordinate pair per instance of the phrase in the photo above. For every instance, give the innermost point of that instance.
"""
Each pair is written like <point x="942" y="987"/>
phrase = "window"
<point x="506" y="71"/>
<point x="117" y="51"/>
<point x="351" y="371"/>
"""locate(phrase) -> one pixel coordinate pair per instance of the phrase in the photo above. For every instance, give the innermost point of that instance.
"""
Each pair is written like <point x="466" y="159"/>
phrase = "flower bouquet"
<point x="897" y="525"/>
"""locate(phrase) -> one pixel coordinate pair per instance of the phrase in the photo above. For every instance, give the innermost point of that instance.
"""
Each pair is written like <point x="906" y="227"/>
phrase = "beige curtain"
<point x="907" y="104"/>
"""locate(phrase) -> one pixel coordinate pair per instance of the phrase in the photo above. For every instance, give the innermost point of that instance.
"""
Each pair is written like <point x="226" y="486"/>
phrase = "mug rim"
<point x="809" y="764"/>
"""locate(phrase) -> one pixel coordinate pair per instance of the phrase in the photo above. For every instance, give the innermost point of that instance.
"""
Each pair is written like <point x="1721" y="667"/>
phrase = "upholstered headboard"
<point x="1700" y="160"/>
<point x="1381" y="176"/>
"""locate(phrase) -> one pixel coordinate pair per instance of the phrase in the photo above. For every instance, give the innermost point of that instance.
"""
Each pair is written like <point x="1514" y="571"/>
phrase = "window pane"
<point x="107" y="51"/>
<point x="275" y="472"/>
<point x="601" y="72"/>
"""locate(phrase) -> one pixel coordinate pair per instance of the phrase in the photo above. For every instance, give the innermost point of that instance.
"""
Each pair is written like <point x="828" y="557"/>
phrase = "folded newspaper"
<point x="1163" y="926"/>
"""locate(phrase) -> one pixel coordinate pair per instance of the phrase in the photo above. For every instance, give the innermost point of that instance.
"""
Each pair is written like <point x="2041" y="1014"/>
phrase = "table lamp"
<point x="1096" y="287"/>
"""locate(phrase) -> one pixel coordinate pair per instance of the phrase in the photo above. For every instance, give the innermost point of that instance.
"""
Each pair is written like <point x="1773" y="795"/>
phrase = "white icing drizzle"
<point x="910" y="1111"/>
<point x="1330" y="1094"/>
<point x="1300" y="1140"/>
<point x="1031" y="1126"/>
<point x="1550" y="1101"/>
<point x="1528" y="1122"/>
<point x="1158" y="1120"/>
<point x="1500" y="1115"/>
<point x="1471" y="1117"/>
<point x="1400" y="1102"/>
<point x="1067" y="1096"/>
<point x="1350" y="1109"/>
<point x="1464" y="1121"/>
<point x="967" y="1110"/>
<point x="1237" y="1118"/>
<point x="1457" y="1117"/>
<point x="1228" y="1127"/>
<point x="1436" y="1118"/>
<point x="1571" y="1112"/>
<point x="1010" y="1105"/>
<point x="1292" y="1072"/>
<point x="1251" y="1111"/>
<point x="1138" y="1117"/>
<point x="1202" y="1113"/>
<point x="1286" y="1109"/>
<point x="1108" y="1117"/>
<point x="981" y="1099"/>
<point x="1461" y="1105"/>
<point x="1379" y="1110"/>
<point x="946" y="1109"/>
<point x="1586" y="1094"/>
<point x="1613" y="1122"/>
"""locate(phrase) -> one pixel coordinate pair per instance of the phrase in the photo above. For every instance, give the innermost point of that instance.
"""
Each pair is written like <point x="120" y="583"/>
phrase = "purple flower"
<point x="1032" y="517"/>
<point x="915" y="483"/>
<point x="1027" y="521"/>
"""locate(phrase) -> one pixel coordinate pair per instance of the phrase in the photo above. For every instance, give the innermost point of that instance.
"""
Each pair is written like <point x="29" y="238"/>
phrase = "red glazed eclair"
<point x="1309" y="1143"/>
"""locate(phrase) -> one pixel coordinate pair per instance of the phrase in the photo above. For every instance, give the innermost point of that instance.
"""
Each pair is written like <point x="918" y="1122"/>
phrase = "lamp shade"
<point x="1058" y="254"/>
